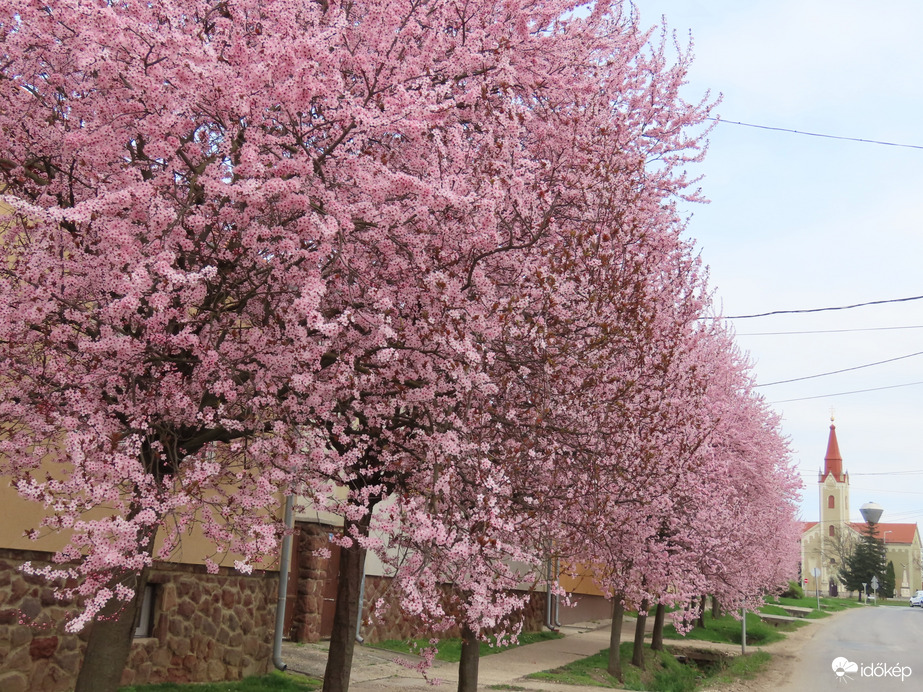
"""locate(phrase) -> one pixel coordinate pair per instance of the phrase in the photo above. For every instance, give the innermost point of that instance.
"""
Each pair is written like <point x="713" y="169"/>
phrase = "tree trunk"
<point x="637" y="654"/>
<point x="109" y="644"/>
<point x="657" y="636"/>
<point x="346" y="612"/>
<point x="715" y="607"/>
<point x="702" y="601"/>
<point x="468" y="664"/>
<point x="113" y="629"/>
<point x="615" y="638"/>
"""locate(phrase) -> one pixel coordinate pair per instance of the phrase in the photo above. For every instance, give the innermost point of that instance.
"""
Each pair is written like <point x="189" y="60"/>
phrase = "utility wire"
<point x="855" y="391"/>
<point x="839" y="307"/>
<point x="872" y="473"/>
<point x="880" y="490"/>
<point x="887" y="473"/>
<point x="817" y="134"/>
<point x="837" y="372"/>
<point x="830" y="331"/>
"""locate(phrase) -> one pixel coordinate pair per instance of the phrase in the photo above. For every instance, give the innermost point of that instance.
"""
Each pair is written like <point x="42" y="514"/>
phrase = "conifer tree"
<point x="865" y="562"/>
<point x="887" y="590"/>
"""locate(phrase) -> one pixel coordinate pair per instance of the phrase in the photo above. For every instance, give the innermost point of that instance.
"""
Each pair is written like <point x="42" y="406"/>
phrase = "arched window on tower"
<point x="832" y="531"/>
<point x="830" y="502"/>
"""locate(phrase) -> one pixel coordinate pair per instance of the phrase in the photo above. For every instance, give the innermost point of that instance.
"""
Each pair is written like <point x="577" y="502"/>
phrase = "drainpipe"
<point x="557" y="612"/>
<point x="283" y="586"/>
<point x="550" y="607"/>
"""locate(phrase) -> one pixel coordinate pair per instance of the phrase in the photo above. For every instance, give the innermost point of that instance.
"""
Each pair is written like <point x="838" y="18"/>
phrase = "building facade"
<point x="826" y="544"/>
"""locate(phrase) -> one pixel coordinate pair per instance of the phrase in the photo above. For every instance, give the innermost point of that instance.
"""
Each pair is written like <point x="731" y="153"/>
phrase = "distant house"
<point x="825" y="544"/>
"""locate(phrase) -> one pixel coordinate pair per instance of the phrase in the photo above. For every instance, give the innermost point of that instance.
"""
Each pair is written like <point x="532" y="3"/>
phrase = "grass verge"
<point x="661" y="672"/>
<point x="274" y="682"/>
<point x="830" y="605"/>
<point x="728" y="630"/>
<point x="450" y="649"/>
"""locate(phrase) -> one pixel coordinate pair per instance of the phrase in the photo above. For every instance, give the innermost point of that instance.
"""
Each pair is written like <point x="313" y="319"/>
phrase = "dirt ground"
<point x="785" y="656"/>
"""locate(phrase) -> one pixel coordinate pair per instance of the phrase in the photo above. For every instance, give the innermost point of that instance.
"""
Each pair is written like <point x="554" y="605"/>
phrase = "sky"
<point x="799" y="222"/>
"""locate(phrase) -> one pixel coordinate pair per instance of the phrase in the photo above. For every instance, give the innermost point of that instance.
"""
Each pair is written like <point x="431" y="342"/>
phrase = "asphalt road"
<point x="876" y="648"/>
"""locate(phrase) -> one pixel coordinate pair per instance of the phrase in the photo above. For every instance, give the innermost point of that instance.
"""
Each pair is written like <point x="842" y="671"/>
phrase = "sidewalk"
<point x="374" y="670"/>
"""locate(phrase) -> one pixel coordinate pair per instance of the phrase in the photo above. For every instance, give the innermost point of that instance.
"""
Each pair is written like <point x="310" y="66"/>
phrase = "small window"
<point x="832" y="531"/>
<point x="830" y="502"/>
<point x="145" y="616"/>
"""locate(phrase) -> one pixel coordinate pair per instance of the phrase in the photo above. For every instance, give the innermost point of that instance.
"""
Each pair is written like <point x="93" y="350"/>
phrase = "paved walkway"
<point x="375" y="670"/>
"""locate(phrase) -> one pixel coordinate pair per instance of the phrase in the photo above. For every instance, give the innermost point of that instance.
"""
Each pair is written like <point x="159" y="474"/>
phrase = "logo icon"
<point x="841" y="666"/>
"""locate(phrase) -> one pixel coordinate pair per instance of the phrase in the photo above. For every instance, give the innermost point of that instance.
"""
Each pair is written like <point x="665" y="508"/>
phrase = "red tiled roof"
<point x="897" y="533"/>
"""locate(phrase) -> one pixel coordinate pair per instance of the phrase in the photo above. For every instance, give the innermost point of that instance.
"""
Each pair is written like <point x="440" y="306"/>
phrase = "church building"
<point x="825" y="544"/>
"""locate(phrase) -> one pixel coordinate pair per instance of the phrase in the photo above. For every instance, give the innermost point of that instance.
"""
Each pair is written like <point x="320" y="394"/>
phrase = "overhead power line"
<point x="888" y="473"/>
<point x="837" y="372"/>
<point x="855" y="391"/>
<point x="871" y="473"/>
<point x="830" y="331"/>
<point x="838" y="307"/>
<point x="890" y="492"/>
<point x="818" y="134"/>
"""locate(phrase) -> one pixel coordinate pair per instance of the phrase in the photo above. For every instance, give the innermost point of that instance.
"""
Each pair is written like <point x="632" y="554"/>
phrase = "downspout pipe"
<point x="284" y="561"/>
<point x="557" y="596"/>
<point x="550" y="606"/>
<point x="557" y="612"/>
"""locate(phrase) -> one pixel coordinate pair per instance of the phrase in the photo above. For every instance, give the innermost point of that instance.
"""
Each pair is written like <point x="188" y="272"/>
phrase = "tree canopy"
<point x="423" y="251"/>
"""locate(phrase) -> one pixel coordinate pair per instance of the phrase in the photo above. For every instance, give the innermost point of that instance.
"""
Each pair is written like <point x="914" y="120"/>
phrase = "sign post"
<point x="875" y="588"/>
<point x="817" y="586"/>
<point x="743" y="630"/>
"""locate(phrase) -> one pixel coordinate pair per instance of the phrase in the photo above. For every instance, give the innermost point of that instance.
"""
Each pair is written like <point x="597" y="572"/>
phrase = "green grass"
<point x="831" y="605"/>
<point x="771" y="609"/>
<point x="586" y="671"/>
<point x="661" y="672"/>
<point x="274" y="682"/>
<point x="728" y="630"/>
<point x="741" y="668"/>
<point x="450" y="649"/>
<point x="894" y="602"/>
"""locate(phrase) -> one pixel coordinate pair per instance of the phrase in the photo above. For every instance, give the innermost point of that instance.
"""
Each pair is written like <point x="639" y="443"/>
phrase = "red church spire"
<point x="833" y="462"/>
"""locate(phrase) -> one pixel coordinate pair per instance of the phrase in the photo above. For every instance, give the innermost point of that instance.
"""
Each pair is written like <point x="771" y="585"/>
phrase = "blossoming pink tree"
<point x="409" y="248"/>
<point x="561" y="151"/>
<point x="722" y="490"/>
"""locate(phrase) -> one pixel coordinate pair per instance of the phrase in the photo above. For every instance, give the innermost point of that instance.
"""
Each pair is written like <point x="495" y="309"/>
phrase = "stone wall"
<point x="310" y="569"/>
<point x="207" y="627"/>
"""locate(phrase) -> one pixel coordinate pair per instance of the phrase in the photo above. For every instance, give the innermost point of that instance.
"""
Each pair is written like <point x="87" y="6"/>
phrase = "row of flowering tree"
<point x="423" y="250"/>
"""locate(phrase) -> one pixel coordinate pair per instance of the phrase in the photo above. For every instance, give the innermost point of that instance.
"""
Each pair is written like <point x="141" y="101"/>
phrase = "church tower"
<point x="833" y="486"/>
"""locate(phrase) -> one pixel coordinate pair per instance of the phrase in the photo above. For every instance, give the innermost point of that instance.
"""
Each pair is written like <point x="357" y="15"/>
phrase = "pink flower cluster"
<point x="418" y="263"/>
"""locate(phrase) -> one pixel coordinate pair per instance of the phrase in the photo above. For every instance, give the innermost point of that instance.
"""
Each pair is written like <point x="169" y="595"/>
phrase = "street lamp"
<point x="886" y="535"/>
